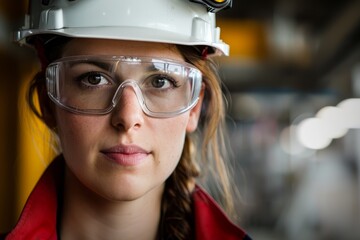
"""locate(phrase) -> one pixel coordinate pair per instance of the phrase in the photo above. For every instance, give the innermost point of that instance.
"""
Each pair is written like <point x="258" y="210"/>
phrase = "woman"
<point x="124" y="91"/>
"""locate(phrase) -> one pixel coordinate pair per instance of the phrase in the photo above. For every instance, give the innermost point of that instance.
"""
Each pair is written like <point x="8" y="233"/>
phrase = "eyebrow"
<point x="107" y="65"/>
<point x="103" y="65"/>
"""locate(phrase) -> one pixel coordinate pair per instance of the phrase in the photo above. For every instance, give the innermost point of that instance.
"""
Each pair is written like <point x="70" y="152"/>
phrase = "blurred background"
<point x="293" y="80"/>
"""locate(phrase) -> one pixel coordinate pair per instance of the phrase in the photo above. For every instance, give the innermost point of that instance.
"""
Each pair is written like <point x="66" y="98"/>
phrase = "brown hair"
<point x="177" y="219"/>
<point x="177" y="198"/>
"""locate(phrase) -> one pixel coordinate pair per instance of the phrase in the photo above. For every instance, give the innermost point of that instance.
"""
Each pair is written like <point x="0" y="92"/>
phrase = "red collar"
<point x="38" y="218"/>
<point x="211" y="222"/>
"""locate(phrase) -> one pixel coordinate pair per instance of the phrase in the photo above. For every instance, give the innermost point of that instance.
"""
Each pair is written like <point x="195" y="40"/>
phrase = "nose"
<point x="127" y="113"/>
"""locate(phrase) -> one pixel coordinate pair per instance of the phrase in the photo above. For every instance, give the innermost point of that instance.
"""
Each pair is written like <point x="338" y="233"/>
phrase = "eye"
<point x="93" y="79"/>
<point x="163" y="82"/>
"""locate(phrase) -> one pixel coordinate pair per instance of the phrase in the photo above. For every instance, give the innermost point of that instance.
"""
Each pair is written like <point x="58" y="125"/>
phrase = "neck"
<point x="87" y="215"/>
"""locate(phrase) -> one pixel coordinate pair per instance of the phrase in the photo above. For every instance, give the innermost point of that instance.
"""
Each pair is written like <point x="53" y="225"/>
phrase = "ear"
<point x="46" y="108"/>
<point x="195" y="113"/>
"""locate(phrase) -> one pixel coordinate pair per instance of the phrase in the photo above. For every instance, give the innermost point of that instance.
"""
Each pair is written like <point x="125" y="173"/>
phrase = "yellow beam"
<point x="247" y="38"/>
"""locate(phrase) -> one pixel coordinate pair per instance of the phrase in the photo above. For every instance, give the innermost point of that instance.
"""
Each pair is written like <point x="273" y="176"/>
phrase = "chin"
<point x="131" y="192"/>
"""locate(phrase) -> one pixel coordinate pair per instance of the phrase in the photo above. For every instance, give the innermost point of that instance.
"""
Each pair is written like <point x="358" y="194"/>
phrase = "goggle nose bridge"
<point x="119" y="91"/>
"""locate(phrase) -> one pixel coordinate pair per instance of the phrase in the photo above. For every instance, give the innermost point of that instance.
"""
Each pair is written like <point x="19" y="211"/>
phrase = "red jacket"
<point x="39" y="216"/>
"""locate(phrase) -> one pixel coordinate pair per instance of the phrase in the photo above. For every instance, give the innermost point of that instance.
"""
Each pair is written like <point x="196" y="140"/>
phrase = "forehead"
<point x="83" y="46"/>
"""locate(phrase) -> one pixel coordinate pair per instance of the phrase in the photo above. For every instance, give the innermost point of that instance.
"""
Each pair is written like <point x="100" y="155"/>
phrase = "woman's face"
<point x="125" y="154"/>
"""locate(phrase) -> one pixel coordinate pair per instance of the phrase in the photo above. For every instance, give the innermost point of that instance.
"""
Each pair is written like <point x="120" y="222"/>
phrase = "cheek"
<point x="169" y="137"/>
<point x="77" y="133"/>
<point x="173" y="129"/>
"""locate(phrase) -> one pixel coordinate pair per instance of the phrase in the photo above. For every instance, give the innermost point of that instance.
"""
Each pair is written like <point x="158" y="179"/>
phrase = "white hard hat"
<point x="184" y="22"/>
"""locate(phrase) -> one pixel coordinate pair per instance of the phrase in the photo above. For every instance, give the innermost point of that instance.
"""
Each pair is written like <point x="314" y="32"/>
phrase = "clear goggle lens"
<point x="93" y="84"/>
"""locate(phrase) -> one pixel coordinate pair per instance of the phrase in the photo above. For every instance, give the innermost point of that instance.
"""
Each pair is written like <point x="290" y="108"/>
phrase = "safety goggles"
<point x="94" y="84"/>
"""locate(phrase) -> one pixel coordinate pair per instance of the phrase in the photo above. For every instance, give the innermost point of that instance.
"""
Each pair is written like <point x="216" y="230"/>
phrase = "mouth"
<point x="126" y="155"/>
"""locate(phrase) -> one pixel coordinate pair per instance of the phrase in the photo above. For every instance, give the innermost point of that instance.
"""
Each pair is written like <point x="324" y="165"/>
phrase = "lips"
<point x="126" y="155"/>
